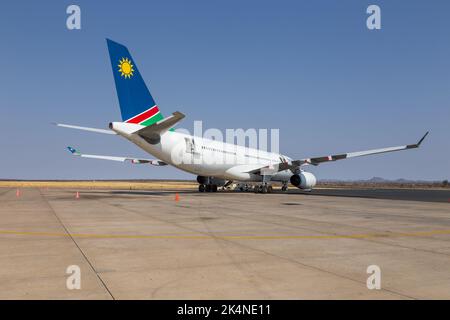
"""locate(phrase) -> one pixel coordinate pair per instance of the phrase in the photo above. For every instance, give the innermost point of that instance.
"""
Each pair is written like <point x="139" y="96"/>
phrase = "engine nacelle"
<point x="304" y="180"/>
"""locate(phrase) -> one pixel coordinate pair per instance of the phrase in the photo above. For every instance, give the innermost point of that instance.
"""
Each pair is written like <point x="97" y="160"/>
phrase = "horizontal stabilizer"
<point x="152" y="133"/>
<point x="105" y="131"/>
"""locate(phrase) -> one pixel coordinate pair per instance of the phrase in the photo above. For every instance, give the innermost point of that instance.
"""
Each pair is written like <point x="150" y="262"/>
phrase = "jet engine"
<point x="304" y="180"/>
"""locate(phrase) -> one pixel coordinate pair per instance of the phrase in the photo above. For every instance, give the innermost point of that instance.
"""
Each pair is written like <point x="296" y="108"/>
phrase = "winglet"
<point x="423" y="138"/>
<point x="416" y="145"/>
<point x="73" y="151"/>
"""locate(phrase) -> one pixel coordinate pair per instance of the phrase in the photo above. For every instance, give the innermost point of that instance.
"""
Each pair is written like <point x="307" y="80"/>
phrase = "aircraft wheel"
<point x="269" y="189"/>
<point x="284" y="188"/>
<point x="214" y="188"/>
<point x="256" y="189"/>
<point x="264" y="189"/>
<point x="208" y="188"/>
<point x="201" y="188"/>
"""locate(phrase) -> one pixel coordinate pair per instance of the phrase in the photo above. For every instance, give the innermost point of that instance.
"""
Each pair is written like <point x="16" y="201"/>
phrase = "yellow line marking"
<point x="238" y="237"/>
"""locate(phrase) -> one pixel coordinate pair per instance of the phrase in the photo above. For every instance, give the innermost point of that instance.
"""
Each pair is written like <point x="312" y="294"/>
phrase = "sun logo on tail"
<point x="125" y="68"/>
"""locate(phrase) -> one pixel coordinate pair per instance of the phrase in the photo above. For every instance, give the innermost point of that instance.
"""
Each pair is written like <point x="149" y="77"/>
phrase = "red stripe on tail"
<point x="144" y="116"/>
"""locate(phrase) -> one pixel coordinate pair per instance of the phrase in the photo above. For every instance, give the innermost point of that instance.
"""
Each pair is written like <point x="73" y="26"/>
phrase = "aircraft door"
<point x="192" y="151"/>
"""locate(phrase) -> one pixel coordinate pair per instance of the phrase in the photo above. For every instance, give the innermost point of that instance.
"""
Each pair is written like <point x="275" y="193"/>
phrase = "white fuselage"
<point x="205" y="157"/>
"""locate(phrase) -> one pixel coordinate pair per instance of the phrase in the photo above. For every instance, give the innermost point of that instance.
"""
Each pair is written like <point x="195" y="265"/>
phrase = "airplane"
<point x="215" y="163"/>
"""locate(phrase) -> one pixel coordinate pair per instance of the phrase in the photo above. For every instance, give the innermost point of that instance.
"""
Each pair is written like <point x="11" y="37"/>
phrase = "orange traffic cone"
<point x="177" y="197"/>
<point x="77" y="196"/>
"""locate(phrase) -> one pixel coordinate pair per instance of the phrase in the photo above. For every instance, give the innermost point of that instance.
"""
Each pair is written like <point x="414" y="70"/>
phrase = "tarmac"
<point x="224" y="245"/>
<point x="433" y="195"/>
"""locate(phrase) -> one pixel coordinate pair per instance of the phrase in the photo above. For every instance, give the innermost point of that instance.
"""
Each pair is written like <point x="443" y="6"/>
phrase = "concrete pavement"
<point x="146" y="245"/>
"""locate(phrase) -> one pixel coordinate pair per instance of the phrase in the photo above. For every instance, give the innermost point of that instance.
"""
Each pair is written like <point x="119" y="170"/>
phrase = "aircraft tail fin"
<point x="136" y="103"/>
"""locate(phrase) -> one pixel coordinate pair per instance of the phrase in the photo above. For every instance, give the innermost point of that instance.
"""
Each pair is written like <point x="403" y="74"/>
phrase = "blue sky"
<point x="310" y="68"/>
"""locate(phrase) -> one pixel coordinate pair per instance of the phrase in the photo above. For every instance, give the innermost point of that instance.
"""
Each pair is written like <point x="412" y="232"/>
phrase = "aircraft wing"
<point x="284" y="165"/>
<point x="318" y="160"/>
<point x="154" y="162"/>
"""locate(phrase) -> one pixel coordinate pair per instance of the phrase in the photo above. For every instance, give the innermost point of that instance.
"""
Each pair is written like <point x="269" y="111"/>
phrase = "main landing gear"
<point x="207" y="188"/>
<point x="263" y="188"/>
<point x="206" y="184"/>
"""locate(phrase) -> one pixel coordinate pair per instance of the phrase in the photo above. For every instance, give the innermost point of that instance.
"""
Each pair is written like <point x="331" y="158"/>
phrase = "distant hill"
<point x="379" y="182"/>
